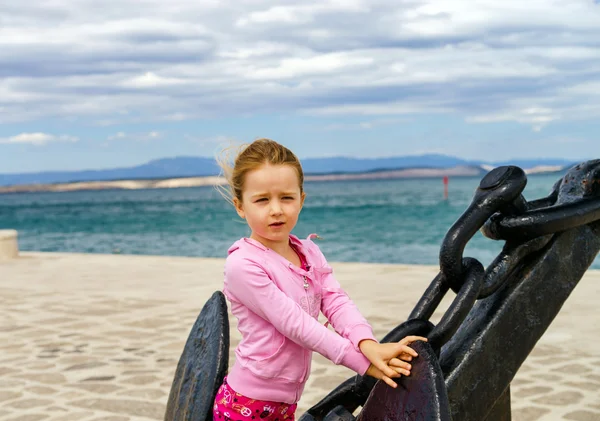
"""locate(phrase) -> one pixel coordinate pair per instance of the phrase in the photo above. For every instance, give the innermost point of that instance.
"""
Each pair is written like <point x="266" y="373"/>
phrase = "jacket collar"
<point x="293" y="239"/>
<point x="296" y="242"/>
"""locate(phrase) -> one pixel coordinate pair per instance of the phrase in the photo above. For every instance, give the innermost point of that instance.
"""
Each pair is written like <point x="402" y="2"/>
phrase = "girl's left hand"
<point x="405" y="355"/>
<point x="390" y="359"/>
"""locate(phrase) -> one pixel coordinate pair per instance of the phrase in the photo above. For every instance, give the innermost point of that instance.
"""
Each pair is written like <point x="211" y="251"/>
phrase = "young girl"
<point x="277" y="284"/>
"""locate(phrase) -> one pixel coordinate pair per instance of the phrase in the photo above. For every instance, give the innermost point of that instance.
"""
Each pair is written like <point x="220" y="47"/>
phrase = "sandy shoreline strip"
<point x="178" y="182"/>
<point x="97" y="337"/>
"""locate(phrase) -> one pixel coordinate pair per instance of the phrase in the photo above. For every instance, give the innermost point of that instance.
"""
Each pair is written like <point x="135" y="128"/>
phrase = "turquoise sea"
<point x="392" y="221"/>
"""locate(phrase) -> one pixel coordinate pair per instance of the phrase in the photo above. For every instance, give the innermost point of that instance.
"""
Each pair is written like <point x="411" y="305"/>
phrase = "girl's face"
<point x="271" y="203"/>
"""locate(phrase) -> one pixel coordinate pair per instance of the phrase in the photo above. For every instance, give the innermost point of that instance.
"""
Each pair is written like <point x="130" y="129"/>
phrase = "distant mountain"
<point x="160" y="168"/>
<point x="530" y="163"/>
<point x="342" y="164"/>
<point x="203" y="166"/>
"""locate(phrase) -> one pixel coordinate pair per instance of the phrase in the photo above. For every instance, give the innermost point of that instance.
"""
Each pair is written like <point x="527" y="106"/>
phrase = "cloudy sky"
<point x="101" y="84"/>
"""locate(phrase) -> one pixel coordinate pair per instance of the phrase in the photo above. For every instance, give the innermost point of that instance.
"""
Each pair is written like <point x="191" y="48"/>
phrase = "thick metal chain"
<point x="500" y="211"/>
<point x="499" y="191"/>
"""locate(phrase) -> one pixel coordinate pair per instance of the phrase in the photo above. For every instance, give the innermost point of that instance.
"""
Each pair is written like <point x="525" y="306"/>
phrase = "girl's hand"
<point x="388" y="360"/>
<point x="407" y="341"/>
<point x="378" y="374"/>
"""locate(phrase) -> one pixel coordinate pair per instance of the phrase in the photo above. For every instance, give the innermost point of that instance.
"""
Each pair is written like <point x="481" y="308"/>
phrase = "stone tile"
<point x="560" y="398"/>
<point x="531" y="391"/>
<point x="85" y="366"/>
<point x="124" y="407"/>
<point x="546" y="350"/>
<point x="549" y="377"/>
<point x="591" y="386"/>
<point x="141" y="380"/>
<point x="8" y="370"/>
<point x="28" y="403"/>
<point x="46" y="378"/>
<point x="76" y="359"/>
<point x="29" y="417"/>
<point x="529" y="413"/>
<point x="99" y="379"/>
<point x="9" y="383"/>
<point x="73" y="416"/>
<point x="55" y="408"/>
<point x="42" y="390"/>
<point x="6" y="395"/>
<point x="594" y="377"/>
<point x="100" y="388"/>
<point x="148" y="394"/>
<point x="72" y="394"/>
<point x="582" y="415"/>
<point x="39" y="365"/>
<point x="574" y="369"/>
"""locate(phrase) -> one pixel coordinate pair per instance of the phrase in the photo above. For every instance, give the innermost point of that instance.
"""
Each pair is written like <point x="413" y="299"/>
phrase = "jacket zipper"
<point x="306" y="286"/>
<point x="305" y="374"/>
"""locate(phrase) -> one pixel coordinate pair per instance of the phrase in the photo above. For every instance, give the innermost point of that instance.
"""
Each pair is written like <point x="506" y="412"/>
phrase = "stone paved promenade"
<point x="98" y="337"/>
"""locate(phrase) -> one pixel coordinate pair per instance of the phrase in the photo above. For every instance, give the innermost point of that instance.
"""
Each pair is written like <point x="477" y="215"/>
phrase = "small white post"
<point x="9" y="247"/>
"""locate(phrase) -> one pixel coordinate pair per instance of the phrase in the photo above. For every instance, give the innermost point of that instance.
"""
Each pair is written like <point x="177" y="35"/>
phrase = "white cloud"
<point x="288" y="68"/>
<point x="393" y="108"/>
<point x="147" y="60"/>
<point x="119" y="135"/>
<point x="140" y="137"/>
<point x="38" y="138"/>
<point x="297" y="14"/>
<point x="151" y="80"/>
<point x="220" y="140"/>
<point x="364" y="125"/>
<point x="537" y="117"/>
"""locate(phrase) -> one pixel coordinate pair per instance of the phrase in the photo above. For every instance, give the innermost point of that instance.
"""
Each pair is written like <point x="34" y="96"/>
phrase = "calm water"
<point x="395" y="221"/>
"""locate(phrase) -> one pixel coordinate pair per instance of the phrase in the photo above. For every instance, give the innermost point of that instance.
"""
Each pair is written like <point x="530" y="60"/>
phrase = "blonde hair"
<point x="250" y="157"/>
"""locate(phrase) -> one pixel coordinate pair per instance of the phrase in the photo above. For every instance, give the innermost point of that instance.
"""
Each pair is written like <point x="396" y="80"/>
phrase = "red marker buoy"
<point x="446" y="187"/>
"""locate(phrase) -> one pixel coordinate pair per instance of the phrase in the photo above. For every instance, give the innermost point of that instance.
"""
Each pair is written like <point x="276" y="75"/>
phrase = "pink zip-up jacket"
<point x="277" y="305"/>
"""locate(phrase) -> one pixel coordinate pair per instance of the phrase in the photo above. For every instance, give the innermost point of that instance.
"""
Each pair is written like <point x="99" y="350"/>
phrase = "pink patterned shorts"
<point x="232" y="406"/>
